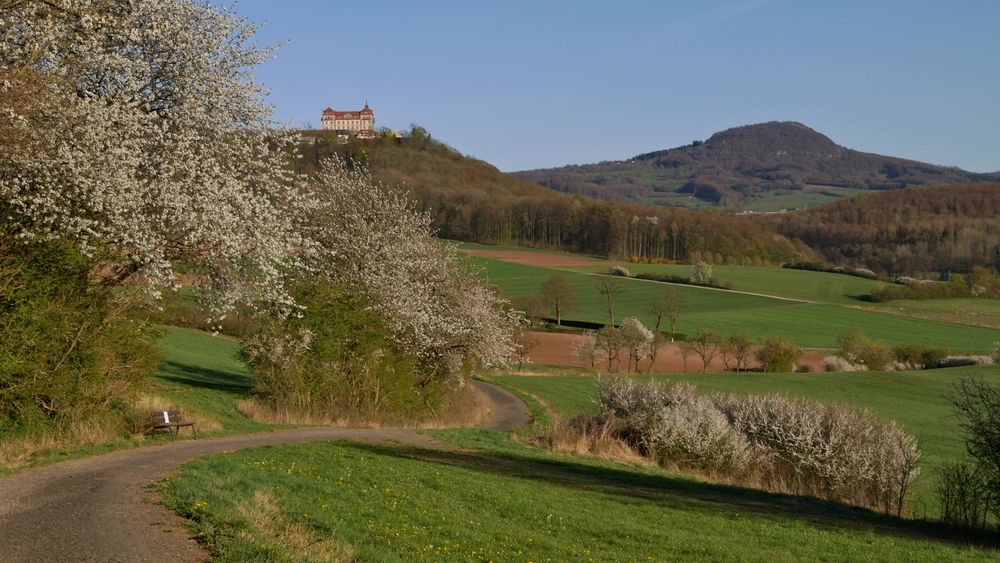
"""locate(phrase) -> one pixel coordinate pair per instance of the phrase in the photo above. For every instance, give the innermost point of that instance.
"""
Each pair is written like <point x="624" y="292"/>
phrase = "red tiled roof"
<point x="342" y="114"/>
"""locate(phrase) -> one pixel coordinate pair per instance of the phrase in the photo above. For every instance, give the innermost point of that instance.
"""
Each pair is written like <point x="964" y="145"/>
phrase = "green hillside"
<point x="814" y="325"/>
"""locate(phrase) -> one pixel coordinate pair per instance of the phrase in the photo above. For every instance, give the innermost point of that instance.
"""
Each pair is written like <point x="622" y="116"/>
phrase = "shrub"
<point x="964" y="496"/>
<point x="857" y="348"/>
<point x="701" y="274"/>
<point x="619" y="271"/>
<point x="69" y="351"/>
<point x="917" y="356"/>
<point x="339" y="361"/>
<point x="778" y="354"/>
<point x="959" y="361"/>
<point x="771" y="441"/>
<point x="977" y="406"/>
<point x="836" y="363"/>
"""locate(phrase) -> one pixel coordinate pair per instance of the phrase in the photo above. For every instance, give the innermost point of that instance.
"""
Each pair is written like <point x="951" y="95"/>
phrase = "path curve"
<point x="99" y="508"/>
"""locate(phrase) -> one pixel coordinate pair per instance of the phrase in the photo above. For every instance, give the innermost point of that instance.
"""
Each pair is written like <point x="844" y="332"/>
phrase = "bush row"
<point x="769" y="441"/>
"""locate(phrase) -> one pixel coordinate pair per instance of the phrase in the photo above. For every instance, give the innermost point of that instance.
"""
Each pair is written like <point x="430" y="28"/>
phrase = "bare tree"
<point x="609" y="342"/>
<point x="559" y="295"/>
<point x="685" y="352"/>
<point x="668" y="304"/>
<point x="654" y="349"/>
<point x="706" y="346"/>
<point x="637" y="340"/>
<point x="586" y="350"/>
<point x="737" y="351"/>
<point x="611" y="288"/>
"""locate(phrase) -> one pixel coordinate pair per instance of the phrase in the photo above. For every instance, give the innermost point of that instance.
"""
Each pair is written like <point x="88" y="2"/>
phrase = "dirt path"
<point x="99" y="508"/>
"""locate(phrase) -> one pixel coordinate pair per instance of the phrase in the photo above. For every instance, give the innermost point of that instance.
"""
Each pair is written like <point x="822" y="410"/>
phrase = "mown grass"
<point x="821" y="287"/>
<point x="495" y="500"/>
<point x="916" y="400"/>
<point x="981" y="312"/>
<point x="202" y="375"/>
<point x="814" y="325"/>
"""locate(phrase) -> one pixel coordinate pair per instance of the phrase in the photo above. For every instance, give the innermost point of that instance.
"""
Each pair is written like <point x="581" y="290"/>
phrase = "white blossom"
<point x="142" y="130"/>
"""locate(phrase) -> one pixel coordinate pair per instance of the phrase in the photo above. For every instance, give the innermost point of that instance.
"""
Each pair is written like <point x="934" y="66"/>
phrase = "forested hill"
<point x="947" y="228"/>
<point x="473" y="201"/>
<point x="766" y="167"/>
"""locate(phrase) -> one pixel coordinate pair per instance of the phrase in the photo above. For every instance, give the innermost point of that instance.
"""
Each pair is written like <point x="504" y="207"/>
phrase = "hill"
<point x="944" y="228"/>
<point x="471" y="200"/>
<point x="763" y="167"/>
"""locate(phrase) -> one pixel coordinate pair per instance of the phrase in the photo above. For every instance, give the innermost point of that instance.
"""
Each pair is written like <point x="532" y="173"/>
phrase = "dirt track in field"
<point x="100" y="508"/>
<point x="556" y="348"/>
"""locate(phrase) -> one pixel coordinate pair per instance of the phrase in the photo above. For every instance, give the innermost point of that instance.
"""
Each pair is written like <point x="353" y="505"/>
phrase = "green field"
<point x="494" y="500"/>
<point x="814" y="325"/>
<point x="821" y="287"/>
<point x="914" y="399"/>
<point x="983" y="312"/>
<point x="808" y="198"/>
<point x="202" y="375"/>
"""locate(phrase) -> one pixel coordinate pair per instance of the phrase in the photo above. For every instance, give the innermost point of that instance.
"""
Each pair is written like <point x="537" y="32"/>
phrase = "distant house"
<point x="358" y="123"/>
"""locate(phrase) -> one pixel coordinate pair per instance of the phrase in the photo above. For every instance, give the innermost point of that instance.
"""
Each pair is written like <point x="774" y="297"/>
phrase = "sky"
<point x="544" y="83"/>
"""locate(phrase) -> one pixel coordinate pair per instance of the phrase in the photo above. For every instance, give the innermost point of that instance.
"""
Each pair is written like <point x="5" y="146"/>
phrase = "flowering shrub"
<point x="771" y="441"/>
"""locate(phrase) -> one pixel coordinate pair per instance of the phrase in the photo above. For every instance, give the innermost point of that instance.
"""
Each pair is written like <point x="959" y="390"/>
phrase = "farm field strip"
<point x="814" y="325"/>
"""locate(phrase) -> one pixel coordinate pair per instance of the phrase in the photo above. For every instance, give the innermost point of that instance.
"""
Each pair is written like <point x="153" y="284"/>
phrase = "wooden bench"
<point x="171" y="421"/>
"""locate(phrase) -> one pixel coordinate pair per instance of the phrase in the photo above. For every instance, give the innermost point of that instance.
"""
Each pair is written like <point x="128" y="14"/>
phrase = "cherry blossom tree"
<point x="372" y="237"/>
<point x="136" y="126"/>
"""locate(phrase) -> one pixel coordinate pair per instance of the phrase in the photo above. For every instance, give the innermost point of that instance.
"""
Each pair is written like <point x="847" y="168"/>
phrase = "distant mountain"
<point x="764" y="167"/>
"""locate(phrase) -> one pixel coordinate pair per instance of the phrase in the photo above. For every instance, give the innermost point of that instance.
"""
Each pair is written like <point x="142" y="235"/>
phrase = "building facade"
<point x="359" y="123"/>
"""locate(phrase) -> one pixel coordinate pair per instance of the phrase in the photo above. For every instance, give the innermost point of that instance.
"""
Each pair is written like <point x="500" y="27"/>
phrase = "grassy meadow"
<point x="497" y="500"/>
<point x="203" y="376"/>
<point x="815" y="322"/>
<point x="916" y="400"/>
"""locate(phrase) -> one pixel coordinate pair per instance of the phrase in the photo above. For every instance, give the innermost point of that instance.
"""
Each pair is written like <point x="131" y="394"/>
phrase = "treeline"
<point x="473" y="201"/>
<point x="939" y="229"/>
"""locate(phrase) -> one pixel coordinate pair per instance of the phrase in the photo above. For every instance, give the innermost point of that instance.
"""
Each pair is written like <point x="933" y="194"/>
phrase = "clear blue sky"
<point x="545" y="83"/>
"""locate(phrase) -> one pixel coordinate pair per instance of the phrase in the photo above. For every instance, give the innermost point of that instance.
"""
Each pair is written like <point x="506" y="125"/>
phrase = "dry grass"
<point x="467" y="407"/>
<point x="17" y="451"/>
<point x="592" y="435"/>
<point x="146" y="404"/>
<point x="20" y="450"/>
<point x="270" y="528"/>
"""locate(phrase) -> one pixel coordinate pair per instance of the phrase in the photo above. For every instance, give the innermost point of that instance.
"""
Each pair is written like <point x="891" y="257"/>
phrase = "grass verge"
<point x="497" y="500"/>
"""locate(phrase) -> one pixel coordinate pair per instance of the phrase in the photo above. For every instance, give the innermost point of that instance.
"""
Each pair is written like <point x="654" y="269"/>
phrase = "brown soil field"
<point x="530" y="258"/>
<point x="556" y="348"/>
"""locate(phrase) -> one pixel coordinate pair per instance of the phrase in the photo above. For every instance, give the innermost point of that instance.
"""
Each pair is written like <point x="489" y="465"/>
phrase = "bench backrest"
<point x="165" y="417"/>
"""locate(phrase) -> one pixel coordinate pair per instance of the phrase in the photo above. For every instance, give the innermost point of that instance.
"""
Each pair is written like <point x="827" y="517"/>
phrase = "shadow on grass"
<point x="687" y="494"/>
<point x="194" y="376"/>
